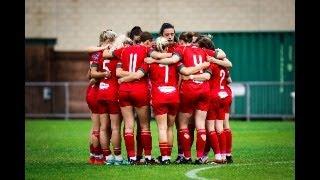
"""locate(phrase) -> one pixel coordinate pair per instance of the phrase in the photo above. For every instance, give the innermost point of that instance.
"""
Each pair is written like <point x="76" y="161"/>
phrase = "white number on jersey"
<point x="133" y="62"/>
<point x="196" y="62"/>
<point x="104" y="65"/>
<point x="222" y="76"/>
<point x="166" y="78"/>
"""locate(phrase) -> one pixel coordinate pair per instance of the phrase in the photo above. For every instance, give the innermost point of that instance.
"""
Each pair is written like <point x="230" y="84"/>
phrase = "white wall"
<point x="77" y="23"/>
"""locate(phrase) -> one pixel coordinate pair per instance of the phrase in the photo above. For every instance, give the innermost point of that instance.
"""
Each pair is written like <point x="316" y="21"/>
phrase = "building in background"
<point x="257" y="35"/>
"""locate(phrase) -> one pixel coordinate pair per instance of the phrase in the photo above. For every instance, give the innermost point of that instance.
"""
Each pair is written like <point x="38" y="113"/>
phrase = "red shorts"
<point x="108" y="92"/>
<point x="135" y="98"/>
<point x="164" y="94"/>
<point x="194" y="98"/>
<point x="165" y="108"/>
<point x="219" y="107"/>
<point x="92" y="100"/>
<point x="110" y="107"/>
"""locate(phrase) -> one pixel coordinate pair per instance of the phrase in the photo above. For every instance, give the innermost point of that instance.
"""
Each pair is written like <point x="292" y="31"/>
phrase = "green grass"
<point x="59" y="150"/>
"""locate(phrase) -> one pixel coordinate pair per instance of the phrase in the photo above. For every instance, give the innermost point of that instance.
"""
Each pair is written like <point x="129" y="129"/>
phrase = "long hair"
<point x="107" y="36"/>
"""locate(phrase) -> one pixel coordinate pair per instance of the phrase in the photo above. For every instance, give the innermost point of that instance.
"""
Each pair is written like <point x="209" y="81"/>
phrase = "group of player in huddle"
<point x="185" y="80"/>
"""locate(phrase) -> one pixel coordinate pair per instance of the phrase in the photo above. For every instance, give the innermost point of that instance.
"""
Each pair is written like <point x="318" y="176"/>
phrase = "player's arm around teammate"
<point x="92" y="99"/>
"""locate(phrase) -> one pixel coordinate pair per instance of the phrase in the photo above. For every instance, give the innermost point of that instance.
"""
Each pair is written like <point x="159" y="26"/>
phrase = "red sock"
<point x="222" y="142"/>
<point x="214" y="142"/>
<point x="163" y="148"/>
<point x="139" y="143"/>
<point x="146" y="142"/>
<point x="99" y="149"/>
<point x="117" y="151"/>
<point x="201" y="142"/>
<point x="207" y="146"/>
<point x="185" y="141"/>
<point x="180" y="150"/>
<point x="129" y="141"/>
<point x="228" y="135"/>
<point x="191" y="131"/>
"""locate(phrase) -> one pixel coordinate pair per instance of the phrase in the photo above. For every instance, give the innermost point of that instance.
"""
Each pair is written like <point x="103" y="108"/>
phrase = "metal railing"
<point x="250" y="100"/>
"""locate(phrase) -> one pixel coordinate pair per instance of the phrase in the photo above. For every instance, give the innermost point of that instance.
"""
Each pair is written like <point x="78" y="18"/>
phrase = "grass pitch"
<point x="56" y="149"/>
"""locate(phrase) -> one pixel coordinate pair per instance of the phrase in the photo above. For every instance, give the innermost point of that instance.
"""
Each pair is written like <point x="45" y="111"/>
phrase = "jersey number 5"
<point x="105" y="67"/>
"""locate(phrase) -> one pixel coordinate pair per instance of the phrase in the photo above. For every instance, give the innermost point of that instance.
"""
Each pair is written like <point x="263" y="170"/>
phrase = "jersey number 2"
<point x="222" y="76"/>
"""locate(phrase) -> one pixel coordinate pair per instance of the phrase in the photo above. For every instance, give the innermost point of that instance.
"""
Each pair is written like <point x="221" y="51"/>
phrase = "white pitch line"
<point x="193" y="173"/>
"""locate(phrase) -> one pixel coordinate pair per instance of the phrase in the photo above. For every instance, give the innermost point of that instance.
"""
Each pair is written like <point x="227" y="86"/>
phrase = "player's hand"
<point x="92" y="81"/>
<point x="149" y="60"/>
<point x="107" y="74"/>
<point x="220" y="53"/>
<point x="120" y="80"/>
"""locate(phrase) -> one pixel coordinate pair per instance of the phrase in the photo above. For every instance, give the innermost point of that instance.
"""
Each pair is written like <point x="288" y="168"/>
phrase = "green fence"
<point x="261" y="57"/>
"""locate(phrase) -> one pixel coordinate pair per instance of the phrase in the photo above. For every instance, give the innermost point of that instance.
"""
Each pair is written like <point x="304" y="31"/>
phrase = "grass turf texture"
<point x="59" y="150"/>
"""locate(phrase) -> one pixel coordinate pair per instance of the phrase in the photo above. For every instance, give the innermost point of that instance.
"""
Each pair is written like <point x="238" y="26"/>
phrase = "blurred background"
<point x="258" y="36"/>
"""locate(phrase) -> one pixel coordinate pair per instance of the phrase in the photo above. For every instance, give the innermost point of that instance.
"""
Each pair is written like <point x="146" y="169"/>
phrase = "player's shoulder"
<point x="210" y="52"/>
<point x="96" y="55"/>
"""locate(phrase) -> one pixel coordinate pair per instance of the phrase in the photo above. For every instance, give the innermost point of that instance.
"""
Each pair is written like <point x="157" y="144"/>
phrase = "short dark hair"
<point x="165" y="26"/>
<point x="146" y="36"/>
<point x="135" y="31"/>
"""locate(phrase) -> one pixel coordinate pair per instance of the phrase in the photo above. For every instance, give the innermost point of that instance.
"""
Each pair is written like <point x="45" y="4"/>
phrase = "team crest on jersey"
<point x="95" y="56"/>
<point x="103" y="85"/>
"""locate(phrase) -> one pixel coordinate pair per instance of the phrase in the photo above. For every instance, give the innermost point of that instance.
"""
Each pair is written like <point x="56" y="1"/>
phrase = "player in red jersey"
<point x="165" y="96"/>
<point x="134" y="35"/>
<point x="220" y="102"/>
<point x="167" y="31"/>
<point x="135" y="95"/>
<point x="97" y="113"/>
<point x="108" y="97"/>
<point x="193" y="98"/>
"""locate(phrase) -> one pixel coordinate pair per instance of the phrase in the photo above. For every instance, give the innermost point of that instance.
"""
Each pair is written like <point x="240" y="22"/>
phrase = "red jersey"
<point x="110" y="65"/>
<point x="108" y="87"/>
<point x="173" y="48"/>
<point x="92" y="91"/>
<point x="95" y="58"/>
<point x="191" y="56"/>
<point x="131" y="58"/>
<point x="164" y="82"/>
<point x="218" y="82"/>
<point x="210" y="52"/>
